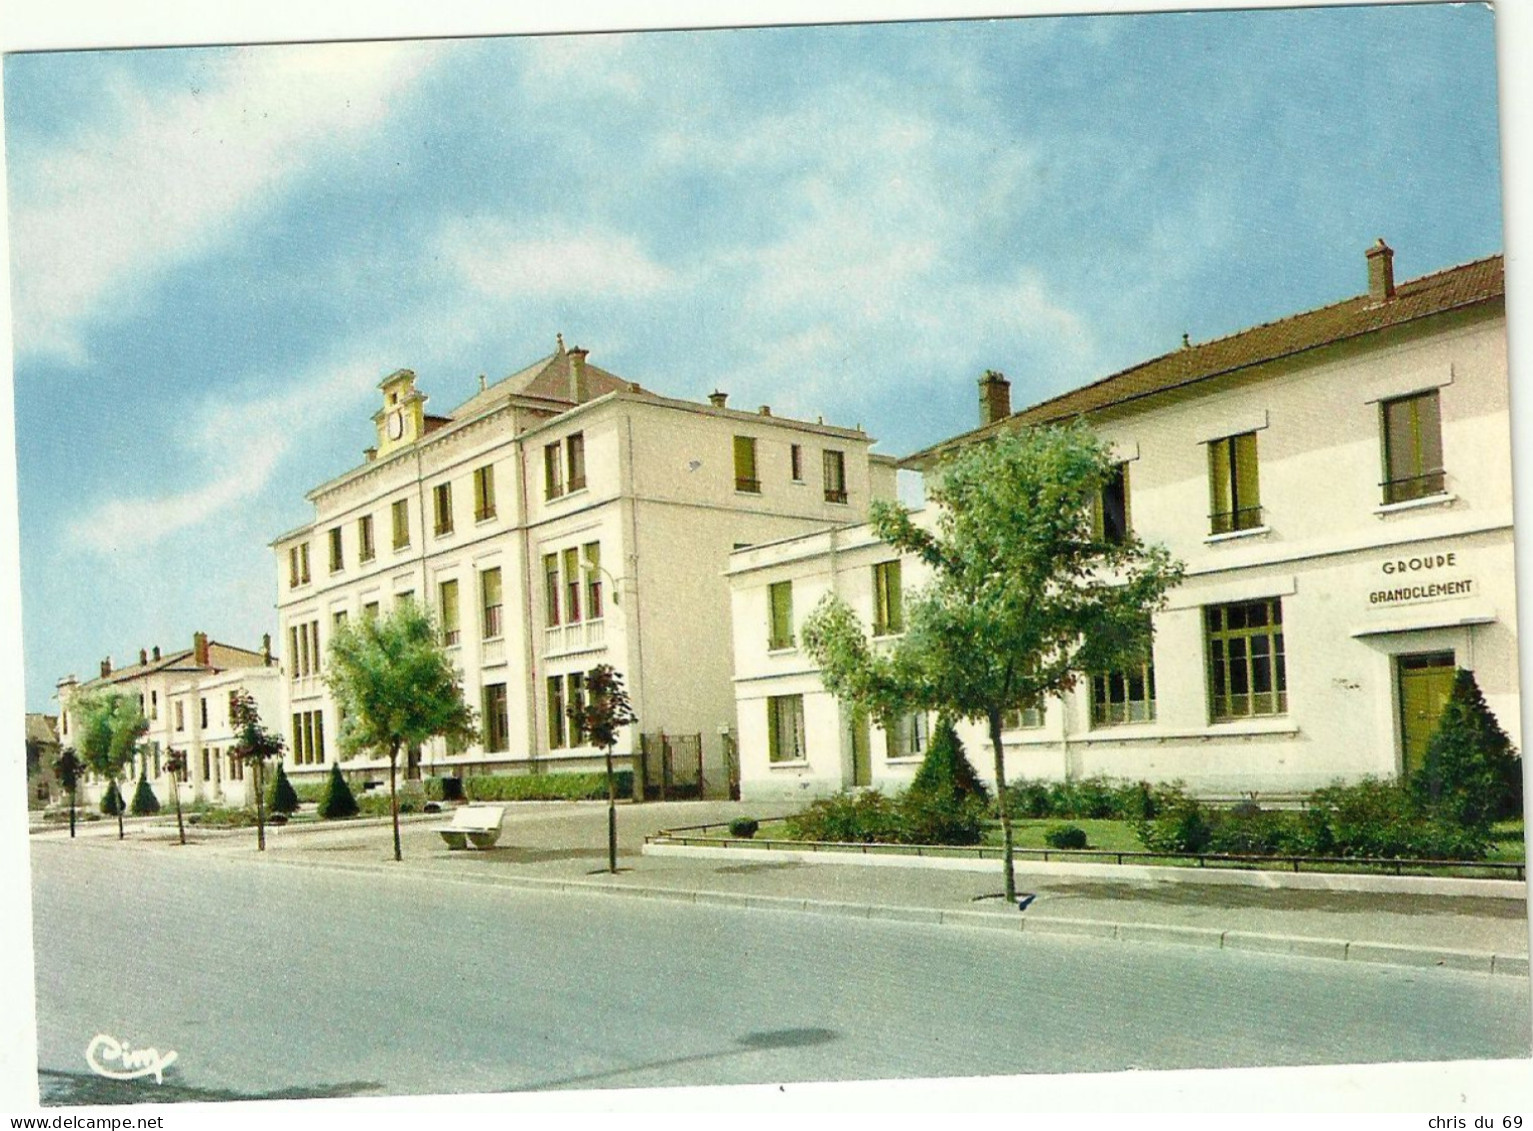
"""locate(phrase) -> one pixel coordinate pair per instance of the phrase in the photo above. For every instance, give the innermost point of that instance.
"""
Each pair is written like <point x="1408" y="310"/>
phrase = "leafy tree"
<point x="606" y="710"/>
<point x="337" y="801"/>
<point x="68" y="768"/>
<point x="175" y="766"/>
<point x="253" y="746"/>
<point x="108" y="726"/>
<point x="1026" y="597"/>
<point x="397" y="688"/>
<point x="145" y="803"/>
<point x="1471" y="773"/>
<point x="283" y="797"/>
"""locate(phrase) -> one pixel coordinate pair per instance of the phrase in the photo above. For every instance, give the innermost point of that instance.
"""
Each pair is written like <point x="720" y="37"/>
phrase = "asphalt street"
<point x="272" y="981"/>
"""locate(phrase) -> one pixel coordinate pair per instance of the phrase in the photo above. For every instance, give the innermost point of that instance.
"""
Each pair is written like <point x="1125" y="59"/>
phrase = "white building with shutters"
<point x="558" y="519"/>
<point x="1338" y="484"/>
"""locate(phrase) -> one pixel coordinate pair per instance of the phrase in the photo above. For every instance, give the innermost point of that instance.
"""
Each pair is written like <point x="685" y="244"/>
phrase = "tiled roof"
<point x="41" y="729"/>
<point x="545" y="379"/>
<point x="1452" y="289"/>
<point x="220" y="656"/>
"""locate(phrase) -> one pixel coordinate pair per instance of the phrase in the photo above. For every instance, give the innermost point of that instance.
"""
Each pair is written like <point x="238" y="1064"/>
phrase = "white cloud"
<point x="105" y="211"/>
<point x="492" y="258"/>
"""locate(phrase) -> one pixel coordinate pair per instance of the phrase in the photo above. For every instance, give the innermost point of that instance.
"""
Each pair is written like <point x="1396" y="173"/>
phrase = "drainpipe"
<point x="631" y="571"/>
<point x="531" y="682"/>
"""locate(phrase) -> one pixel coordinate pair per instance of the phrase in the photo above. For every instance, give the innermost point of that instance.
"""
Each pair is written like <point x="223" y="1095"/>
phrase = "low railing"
<point x="698" y="835"/>
<point x="578" y="636"/>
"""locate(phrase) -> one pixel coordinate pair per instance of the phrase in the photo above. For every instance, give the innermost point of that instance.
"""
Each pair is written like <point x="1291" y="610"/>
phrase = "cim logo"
<point x="109" y="1057"/>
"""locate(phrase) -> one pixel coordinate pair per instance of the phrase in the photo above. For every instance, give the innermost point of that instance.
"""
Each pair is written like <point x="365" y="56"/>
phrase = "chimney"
<point x="369" y="454"/>
<point x="156" y="652"/>
<point x="718" y="399"/>
<point x="994" y="397"/>
<point x="482" y="385"/>
<point x="106" y="667"/>
<point x="266" y="649"/>
<point x="143" y="656"/>
<point x="1381" y="272"/>
<point x="200" y="649"/>
<point x="580" y="388"/>
<point x="765" y="410"/>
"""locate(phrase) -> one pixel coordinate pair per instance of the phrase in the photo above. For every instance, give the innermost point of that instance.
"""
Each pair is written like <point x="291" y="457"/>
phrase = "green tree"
<point x="68" y="768"/>
<point x="254" y="744"/>
<point x="1026" y="596"/>
<point x="283" y="797"/>
<point x="145" y="803"/>
<point x="108" y="726"/>
<point x="606" y="710"/>
<point x="337" y="801"/>
<point x="1471" y="774"/>
<point x="175" y="766"/>
<point x="396" y="688"/>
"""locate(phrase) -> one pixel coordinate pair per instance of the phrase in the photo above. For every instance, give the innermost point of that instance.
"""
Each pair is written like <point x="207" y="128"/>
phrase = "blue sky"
<point x="216" y="253"/>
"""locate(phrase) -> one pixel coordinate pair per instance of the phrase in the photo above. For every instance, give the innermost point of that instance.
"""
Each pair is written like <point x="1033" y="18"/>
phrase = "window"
<point x="1413" y="448"/>
<point x="1110" y="516"/>
<point x="207" y="764"/>
<point x="1247" y="674"/>
<point x="835" y="477"/>
<point x="592" y="567"/>
<point x="338" y="621"/>
<point x="203" y="703"/>
<point x="577" y="701"/>
<point x="401" y="523"/>
<point x="370" y="610"/>
<point x="236" y="766"/>
<point x="745" y="466"/>
<point x="888" y="601"/>
<point x="1126" y="695"/>
<point x="303" y="563"/>
<point x="556" y="720"/>
<point x="1234" y="500"/>
<point x="551" y="590"/>
<point x="180" y="716"/>
<point x="780" y="629"/>
<point x="298" y="565"/>
<point x="575" y="459"/>
<point x="1028" y="718"/>
<point x="796" y="462"/>
<point x="308" y="738"/>
<point x="785" y="728"/>
<point x="367" y="550"/>
<point x="489" y="591"/>
<point x="448" y="591"/>
<point x="337" y="559"/>
<point x="497" y="725"/>
<point x="154" y="704"/>
<point x="553" y="472"/>
<point x="572" y="585"/>
<point x="906" y="736"/>
<point x="484" y="493"/>
<point x="441" y="509"/>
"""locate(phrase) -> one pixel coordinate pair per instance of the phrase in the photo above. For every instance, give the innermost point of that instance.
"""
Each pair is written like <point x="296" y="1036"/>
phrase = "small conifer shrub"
<point x="1471" y="774"/>
<point x="946" y="769"/>
<point x="145" y="802"/>
<point x="282" y="798"/>
<point x="1065" y="836"/>
<point x="111" y="800"/>
<point x="337" y="801"/>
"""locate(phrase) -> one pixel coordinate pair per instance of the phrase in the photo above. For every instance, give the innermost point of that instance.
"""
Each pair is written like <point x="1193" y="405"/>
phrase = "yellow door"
<point x="862" y="750"/>
<point x="1426" y="681"/>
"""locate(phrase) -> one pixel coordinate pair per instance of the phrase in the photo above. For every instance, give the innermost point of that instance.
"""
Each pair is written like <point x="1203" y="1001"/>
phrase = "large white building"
<point x="185" y="696"/>
<point x="559" y="519"/>
<point x="1339" y="486"/>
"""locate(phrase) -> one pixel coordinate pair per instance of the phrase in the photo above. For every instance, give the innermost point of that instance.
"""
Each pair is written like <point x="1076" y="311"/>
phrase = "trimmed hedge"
<point x="1093" y="798"/>
<point x="111" y="800"/>
<point x="543" y="787"/>
<point x="337" y="802"/>
<point x="145" y="803"/>
<point x="871" y="817"/>
<point x="282" y="797"/>
<point x="1064" y="836"/>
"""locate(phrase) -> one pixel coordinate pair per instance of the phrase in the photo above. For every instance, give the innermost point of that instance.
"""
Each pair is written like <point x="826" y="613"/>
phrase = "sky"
<point x="217" y="253"/>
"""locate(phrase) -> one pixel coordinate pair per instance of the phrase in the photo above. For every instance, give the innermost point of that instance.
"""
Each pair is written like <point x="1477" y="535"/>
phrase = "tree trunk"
<point x="122" y="803"/>
<point x="175" y="791"/>
<point x="71" y="814"/>
<point x="611" y="815"/>
<point x="1001" y="806"/>
<point x="394" y="799"/>
<point x="260" y="807"/>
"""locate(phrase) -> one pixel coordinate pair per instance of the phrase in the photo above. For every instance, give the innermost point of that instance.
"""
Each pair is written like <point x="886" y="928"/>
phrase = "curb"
<point x="1233" y="877"/>
<point x="1304" y="946"/>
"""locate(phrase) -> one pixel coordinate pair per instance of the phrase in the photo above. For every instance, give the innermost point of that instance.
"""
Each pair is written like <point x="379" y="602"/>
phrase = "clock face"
<point x="396" y="425"/>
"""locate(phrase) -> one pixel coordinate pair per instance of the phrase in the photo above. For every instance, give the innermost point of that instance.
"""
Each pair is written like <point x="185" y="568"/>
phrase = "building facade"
<point x="559" y="519"/>
<point x="1338" y="484"/>
<point x="185" y="696"/>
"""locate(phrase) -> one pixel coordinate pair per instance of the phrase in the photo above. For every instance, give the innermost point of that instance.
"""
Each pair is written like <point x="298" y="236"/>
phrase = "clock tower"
<point x="402" y="419"/>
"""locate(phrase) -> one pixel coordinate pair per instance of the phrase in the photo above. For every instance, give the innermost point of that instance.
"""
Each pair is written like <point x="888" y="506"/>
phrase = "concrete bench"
<point x="474" y="826"/>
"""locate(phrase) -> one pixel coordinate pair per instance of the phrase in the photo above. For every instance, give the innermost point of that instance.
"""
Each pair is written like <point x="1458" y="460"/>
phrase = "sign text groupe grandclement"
<point x="1425" y="591"/>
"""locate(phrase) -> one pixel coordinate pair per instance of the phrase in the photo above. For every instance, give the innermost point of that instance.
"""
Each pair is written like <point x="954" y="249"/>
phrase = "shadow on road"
<point x="1289" y="899"/>
<point x="63" y="1089"/>
<point x="749" y="1043"/>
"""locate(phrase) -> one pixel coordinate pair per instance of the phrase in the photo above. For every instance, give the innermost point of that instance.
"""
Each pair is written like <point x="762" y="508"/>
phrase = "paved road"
<point x="286" y="982"/>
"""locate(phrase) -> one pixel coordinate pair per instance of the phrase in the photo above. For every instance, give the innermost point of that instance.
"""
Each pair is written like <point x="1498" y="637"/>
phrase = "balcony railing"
<point x="492" y="652"/>
<point x="1415" y="487"/>
<point x="835" y="495"/>
<point x="748" y="485"/>
<point x="580" y="636"/>
<point x="484" y="514"/>
<point x="451" y="637"/>
<point x="1228" y="522"/>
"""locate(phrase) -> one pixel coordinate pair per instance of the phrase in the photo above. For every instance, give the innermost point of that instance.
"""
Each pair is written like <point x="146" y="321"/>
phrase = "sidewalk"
<point x="562" y="846"/>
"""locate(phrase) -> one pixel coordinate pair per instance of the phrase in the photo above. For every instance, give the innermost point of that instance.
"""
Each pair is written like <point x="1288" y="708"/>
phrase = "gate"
<point x="670" y="767"/>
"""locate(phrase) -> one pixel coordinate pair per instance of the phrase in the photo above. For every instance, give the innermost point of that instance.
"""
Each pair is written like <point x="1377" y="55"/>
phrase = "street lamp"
<point x="589" y="567"/>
